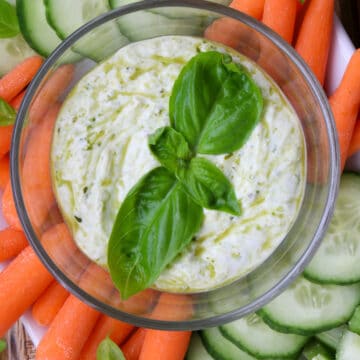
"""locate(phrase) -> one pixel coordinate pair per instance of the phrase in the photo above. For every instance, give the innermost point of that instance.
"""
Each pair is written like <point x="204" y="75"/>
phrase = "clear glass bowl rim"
<point x="334" y="172"/>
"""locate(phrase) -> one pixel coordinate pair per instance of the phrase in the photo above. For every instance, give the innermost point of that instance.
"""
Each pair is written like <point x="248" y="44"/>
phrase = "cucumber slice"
<point x="220" y="348"/>
<point x="35" y="29"/>
<point x="146" y="24"/>
<point x="317" y="351"/>
<point x="337" y="260"/>
<point x="66" y="16"/>
<point x="332" y="337"/>
<point x="252" y="335"/>
<point x="306" y="308"/>
<point x="13" y="51"/>
<point x="349" y="347"/>
<point x="196" y="350"/>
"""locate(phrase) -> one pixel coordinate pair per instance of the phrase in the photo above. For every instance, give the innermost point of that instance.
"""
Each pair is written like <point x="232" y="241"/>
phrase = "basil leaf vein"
<point x="215" y="104"/>
<point x="108" y="350"/>
<point x="155" y="222"/>
<point x="9" y="24"/>
<point x="7" y="113"/>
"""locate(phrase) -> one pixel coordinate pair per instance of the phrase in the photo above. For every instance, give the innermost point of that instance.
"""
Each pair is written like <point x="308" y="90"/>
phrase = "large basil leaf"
<point x="7" y="113"/>
<point x="108" y="350"/>
<point x="215" y="104"/>
<point x="209" y="187"/>
<point x="155" y="222"/>
<point x="9" y="25"/>
<point x="170" y="148"/>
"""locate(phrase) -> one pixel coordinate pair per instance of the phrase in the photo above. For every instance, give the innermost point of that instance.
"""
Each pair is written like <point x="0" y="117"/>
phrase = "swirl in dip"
<point x="100" y="150"/>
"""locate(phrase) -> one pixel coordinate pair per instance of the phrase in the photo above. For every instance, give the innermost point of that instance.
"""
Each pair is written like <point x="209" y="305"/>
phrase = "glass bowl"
<point x="42" y="220"/>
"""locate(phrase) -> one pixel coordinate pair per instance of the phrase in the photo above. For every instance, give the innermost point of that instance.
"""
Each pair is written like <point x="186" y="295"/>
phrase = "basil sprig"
<point x="214" y="107"/>
<point x="9" y="25"/>
<point x="7" y="113"/>
<point x="108" y="350"/>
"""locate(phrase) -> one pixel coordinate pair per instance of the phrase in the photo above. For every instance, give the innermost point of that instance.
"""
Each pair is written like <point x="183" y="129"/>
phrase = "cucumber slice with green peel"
<point x="196" y="350"/>
<point x="220" y="348"/>
<point x="145" y="24"/>
<point x="306" y="308"/>
<point x="349" y="347"/>
<point x="316" y="351"/>
<point x="332" y="337"/>
<point x="12" y="52"/>
<point x="354" y="323"/>
<point x="337" y="261"/>
<point x="252" y="335"/>
<point x="66" y="16"/>
<point x="35" y="29"/>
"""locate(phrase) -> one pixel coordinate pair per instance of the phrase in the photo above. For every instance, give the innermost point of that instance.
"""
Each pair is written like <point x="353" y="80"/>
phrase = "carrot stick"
<point x="355" y="141"/>
<point x="51" y="91"/>
<point x="37" y="184"/>
<point x="117" y="330"/>
<point x="280" y="15"/>
<point x="49" y="303"/>
<point x="4" y="171"/>
<point x="313" y="42"/>
<point x="5" y="139"/>
<point x="9" y="209"/>
<point x="252" y="8"/>
<point x="345" y="103"/>
<point x="21" y="283"/>
<point x="19" y="77"/>
<point x="68" y="332"/>
<point x="16" y="101"/>
<point x="12" y="242"/>
<point x="132" y="348"/>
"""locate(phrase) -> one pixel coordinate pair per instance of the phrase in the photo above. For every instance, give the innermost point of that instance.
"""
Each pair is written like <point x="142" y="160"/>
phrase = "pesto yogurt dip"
<point x="100" y="150"/>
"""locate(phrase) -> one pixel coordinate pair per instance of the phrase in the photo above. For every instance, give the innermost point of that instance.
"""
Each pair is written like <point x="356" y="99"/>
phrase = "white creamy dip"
<point x="100" y="150"/>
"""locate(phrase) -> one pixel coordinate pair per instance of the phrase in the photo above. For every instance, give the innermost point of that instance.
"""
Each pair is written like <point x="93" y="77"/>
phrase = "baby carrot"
<point x="19" y="77"/>
<point x="68" y="332"/>
<point x="355" y="140"/>
<point x="313" y="41"/>
<point x="12" y="242"/>
<point x="21" y="283"/>
<point x="9" y="209"/>
<point x="345" y="103"/>
<point x="5" y="139"/>
<point x="51" y="91"/>
<point x="117" y="330"/>
<point x="252" y="8"/>
<point x="4" y="171"/>
<point x="49" y="303"/>
<point x="132" y="348"/>
<point x="280" y="15"/>
<point x="16" y="101"/>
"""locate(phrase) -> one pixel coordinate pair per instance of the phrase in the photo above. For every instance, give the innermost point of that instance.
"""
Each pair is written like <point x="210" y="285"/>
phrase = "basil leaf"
<point x="9" y="24"/>
<point x="170" y="148"/>
<point x="108" y="350"/>
<point x="155" y="222"/>
<point x="215" y="104"/>
<point x="2" y="345"/>
<point x="7" y="113"/>
<point x="209" y="187"/>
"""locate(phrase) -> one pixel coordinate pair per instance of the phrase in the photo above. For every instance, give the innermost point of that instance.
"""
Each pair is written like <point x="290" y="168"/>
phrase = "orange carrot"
<point x="132" y="348"/>
<point x="19" y="77"/>
<point x="9" y="209"/>
<point x="21" y="283"/>
<point x="345" y="103"/>
<point x="280" y="15"/>
<point x="313" y="42"/>
<point x="49" y="303"/>
<point x="117" y="330"/>
<point x="16" y="101"/>
<point x="252" y="8"/>
<point x="4" y="171"/>
<point x="355" y="141"/>
<point x="163" y="345"/>
<point x="37" y="185"/>
<point x="5" y="139"/>
<point x="12" y="242"/>
<point x="51" y="91"/>
<point x="68" y="332"/>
